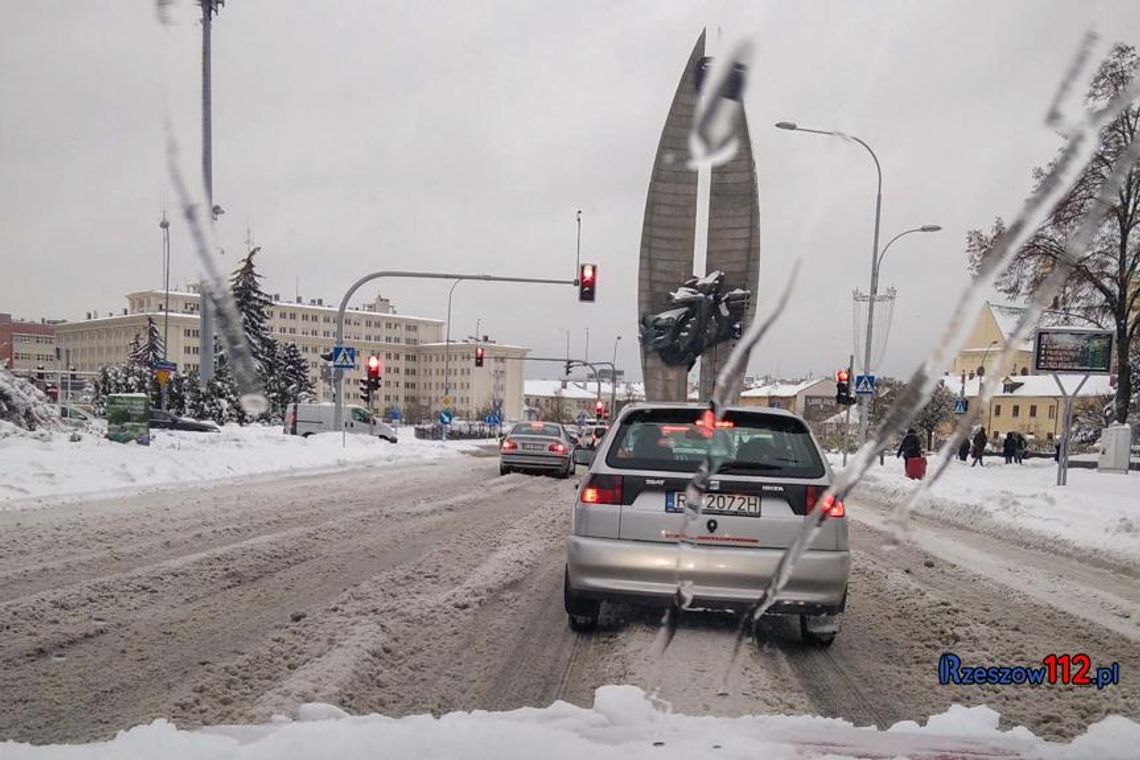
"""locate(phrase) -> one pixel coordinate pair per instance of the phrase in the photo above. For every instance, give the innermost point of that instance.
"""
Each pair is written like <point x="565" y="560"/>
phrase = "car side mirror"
<point x="584" y="456"/>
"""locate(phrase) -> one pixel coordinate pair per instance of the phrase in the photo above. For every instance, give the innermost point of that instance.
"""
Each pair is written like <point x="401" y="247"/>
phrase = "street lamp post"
<point x="614" y="362"/>
<point x="876" y="257"/>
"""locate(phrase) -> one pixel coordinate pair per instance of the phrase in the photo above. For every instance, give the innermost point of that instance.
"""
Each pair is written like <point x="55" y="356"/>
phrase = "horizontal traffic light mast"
<point x="338" y="414"/>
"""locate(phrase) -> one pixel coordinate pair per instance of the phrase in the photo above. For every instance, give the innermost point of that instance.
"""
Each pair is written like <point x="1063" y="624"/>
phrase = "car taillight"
<point x="602" y="489"/>
<point x="557" y="448"/>
<point x="833" y="505"/>
<point x="508" y="445"/>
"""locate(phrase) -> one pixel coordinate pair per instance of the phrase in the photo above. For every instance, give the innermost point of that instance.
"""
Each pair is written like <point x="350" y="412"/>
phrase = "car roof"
<point x="701" y="406"/>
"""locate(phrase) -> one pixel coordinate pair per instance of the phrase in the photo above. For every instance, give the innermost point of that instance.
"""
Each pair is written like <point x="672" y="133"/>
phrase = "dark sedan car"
<point x="168" y="421"/>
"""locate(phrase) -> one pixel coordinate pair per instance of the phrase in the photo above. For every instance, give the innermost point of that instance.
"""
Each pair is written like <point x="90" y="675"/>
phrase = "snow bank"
<point x="1094" y="511"/>
<point x="623" y="724"/>
<point x="47" y="464"/>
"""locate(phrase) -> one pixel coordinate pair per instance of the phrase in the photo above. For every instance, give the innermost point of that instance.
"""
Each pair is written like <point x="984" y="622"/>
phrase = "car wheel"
<point x="567" y="472"/>
<point x="306" y="435"/>
<point x="820" y="630"/>
<point x="503" y="470"/>
<point x="583" y="613"/>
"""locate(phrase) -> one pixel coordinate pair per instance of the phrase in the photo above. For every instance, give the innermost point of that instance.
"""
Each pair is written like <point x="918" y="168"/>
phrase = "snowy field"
<point x="46" y="465"/>
<point x="1094" y="511"/>
<point x="623" y="723"/>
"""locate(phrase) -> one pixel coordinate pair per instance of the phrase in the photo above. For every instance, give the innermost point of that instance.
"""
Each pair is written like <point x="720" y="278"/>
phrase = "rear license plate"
<point x="533" y="447"/>
<point x="722" y="503"/>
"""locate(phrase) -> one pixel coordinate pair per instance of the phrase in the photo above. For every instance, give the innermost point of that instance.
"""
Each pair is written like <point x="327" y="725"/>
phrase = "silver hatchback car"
<point x="629" y="510"/>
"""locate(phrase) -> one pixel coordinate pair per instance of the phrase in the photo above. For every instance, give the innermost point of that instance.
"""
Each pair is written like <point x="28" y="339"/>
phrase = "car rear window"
<point x="676" y="440"/>
<point x="548" y="429"/>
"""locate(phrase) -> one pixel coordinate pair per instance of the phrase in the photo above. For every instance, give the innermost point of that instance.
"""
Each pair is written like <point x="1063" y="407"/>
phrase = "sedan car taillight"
<point x="508" y="445"/>
<point x="557" y="448"/>
<point x="833" y="505"/>
<point x="602" y="489"/>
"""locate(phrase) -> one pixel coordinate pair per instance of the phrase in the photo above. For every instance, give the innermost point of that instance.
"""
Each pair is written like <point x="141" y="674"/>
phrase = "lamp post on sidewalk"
<point x="876" y="256"/>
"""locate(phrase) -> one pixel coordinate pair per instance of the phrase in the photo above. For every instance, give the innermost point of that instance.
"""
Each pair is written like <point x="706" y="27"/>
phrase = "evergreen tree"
<point x="150" y="351"/>
<point x="289" y="381"/>
<point x="253" y="303"/>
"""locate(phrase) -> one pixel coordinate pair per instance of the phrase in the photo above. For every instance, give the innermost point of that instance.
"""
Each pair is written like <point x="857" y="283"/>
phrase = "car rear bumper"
<point x="535" y="461"/>
<point x="722" y="576"/>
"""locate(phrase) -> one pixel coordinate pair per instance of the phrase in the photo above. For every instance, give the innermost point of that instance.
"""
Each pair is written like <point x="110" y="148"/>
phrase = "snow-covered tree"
<point x="253" y="304"/>
<point x="148" y="351"/>
<point x="287" y="380"/>
<point x="1104" y="286"/>
<point x="24" y="405"/>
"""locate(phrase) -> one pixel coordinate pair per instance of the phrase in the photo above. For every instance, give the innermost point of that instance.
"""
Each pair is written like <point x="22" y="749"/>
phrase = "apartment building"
<point x="411" y="347"/>
<point x="27" y="346"/>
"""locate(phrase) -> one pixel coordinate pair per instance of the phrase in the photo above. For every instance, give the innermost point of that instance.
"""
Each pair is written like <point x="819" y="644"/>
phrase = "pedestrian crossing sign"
<point x="961" y="405"/>
<point x="864" y="385"/>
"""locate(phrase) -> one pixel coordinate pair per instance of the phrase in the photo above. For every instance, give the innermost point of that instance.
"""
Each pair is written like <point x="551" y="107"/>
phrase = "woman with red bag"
<point x="911" y="451"/>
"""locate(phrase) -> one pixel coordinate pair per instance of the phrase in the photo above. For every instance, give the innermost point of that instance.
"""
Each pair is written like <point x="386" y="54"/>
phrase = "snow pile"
<point x="24" y="405"/>
<point x="47" y="464"/>
<point x="1094" y="511"/>
<point x="624" y="724"/>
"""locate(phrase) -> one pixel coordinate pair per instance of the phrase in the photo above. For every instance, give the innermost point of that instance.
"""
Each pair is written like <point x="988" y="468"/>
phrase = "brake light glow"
<point x="833" y="505"/>
<point x="557" y="448"/>
<point x="709" y="420"/>
<point x="508" y="445"/>
<point x="602" y="489"/>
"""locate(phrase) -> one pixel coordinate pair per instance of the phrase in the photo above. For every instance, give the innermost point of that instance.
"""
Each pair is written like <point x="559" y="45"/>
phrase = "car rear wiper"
<point x="746" y="465"/>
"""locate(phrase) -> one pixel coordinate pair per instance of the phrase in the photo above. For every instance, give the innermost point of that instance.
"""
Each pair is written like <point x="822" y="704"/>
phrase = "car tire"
<point x="817" y="637"/>
<point x="504" y="470"/>
<point x="306" y="435"/>
<point x="567" y="472"/>
<point x="582" y="613"/>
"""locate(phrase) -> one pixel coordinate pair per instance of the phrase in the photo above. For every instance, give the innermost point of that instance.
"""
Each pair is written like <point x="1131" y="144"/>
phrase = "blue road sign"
<point x="445" y="417"/>
<point x="493" y="419"/>
<point x="961" y="405"/>
<point x="394" y="415"/>
<point x="864" y="385"/>
<point x="343" y="357"/>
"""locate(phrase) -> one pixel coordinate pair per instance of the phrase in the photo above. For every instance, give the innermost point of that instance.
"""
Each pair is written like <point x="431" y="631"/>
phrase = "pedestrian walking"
<point x="964" y="449"/>
<point x="1009" y="447"/>
<point x="1022" y="448"/>
<point x="910" y="450"/>
<point x="978" y="450"/>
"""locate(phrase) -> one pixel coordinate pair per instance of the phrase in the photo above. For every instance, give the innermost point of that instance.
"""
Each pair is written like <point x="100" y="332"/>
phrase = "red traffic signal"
<point x="841" y="376"/>
<point x="478" y="356"/>
<point x="843" y="389"/>
<point x="587" y="282"/>
<point x="375" y="366"/>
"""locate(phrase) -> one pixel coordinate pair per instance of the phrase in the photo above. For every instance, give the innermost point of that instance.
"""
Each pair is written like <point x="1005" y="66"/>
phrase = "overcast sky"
<point x="364" y="135"/>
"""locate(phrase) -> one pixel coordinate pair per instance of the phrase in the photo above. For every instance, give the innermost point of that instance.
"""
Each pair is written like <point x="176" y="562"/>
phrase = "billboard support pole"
<point x="1066" y="424"/>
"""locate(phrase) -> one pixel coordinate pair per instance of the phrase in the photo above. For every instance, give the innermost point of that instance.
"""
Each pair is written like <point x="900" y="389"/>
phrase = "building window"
<point x="1052" y="415"/>
<point x="1017" y="410"/>
<point x="1033" y="410"/>
<point x="997" y="410"/>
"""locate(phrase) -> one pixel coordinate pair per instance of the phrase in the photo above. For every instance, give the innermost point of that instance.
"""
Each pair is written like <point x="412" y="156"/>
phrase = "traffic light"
<point x="587" y="282"/>
<point x="478" y="356"/>
<point x="375" y="368"/>
<point x="366" y="391"/>
<point x="40" y="372"/>
<point x="567" y="369"/>
<point x="599" y="410"/>
<point x="843" y="389"/>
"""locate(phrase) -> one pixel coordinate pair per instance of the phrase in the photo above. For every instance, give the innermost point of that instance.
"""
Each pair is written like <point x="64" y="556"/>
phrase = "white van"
<point x="306" y="419"/>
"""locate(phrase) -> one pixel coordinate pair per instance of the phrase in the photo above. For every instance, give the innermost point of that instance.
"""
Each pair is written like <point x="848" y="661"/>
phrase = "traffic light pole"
<point x="579" y="363"/>
<point x="847" y="414"/>
<point x="338" y="377"/>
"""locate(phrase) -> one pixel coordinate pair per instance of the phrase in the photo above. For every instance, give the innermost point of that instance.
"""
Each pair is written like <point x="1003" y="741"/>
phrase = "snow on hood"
<point x="623" y="723"/>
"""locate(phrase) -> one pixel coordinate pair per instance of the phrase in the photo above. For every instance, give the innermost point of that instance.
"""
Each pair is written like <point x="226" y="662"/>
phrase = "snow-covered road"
<point x="432" y="587"/>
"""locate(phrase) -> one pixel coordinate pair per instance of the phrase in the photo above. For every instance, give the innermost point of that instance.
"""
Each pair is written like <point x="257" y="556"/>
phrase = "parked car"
<point x="629" y="512"/>
<point x="167" y="421"/>
<point x="537" y="447"/>
<point x="306" y="419"/>
<point x="73" y="416"/>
